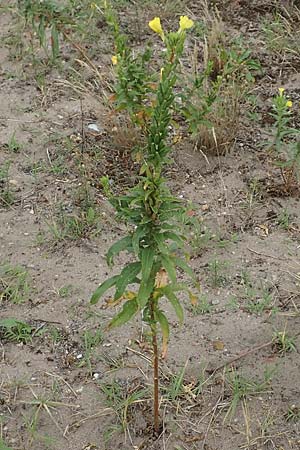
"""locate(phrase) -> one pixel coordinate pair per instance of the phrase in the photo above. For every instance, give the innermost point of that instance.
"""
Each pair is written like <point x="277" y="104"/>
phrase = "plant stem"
<point x="155" y="369"/>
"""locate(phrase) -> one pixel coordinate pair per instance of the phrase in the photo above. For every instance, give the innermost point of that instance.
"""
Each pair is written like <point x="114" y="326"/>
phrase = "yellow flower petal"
<point x="185" y="23"/>
<point x="155" y="25"/>
<point x="281" y="91"/>
<point x="114" y="60"/>
<point x="289" y="104"/>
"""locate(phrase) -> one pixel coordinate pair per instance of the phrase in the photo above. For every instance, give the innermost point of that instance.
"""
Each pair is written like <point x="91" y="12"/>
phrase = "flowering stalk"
<point x="153" y="211"/>
<point x="284" y="139"/>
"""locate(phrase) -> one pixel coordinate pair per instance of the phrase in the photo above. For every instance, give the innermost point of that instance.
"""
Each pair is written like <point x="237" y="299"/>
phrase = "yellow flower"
<point x="281" y="91"/>
<point x="114" y="60"/>
<point x="185" y="23"/>
<point x="155" y="25"/>
<point x="289" y="104"/>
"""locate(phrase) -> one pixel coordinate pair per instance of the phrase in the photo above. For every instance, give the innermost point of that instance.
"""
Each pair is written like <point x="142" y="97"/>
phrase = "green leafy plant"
<point x="51" y="21"/>
<point x="149" y="206"/>
<point x="43" y="16"/>
<point x="122" y="401"/>
<point x="6" y="195"/>
<point x="241" y="387"/>
<point x="214" y="97"/>
<point x="13" y="145"/>
<point x="283" y="342"/>
<point x="285" y="141"/>
<point x="14" y="285"/>
<point x="91" y="339"/>
<point x="15" y="330"/>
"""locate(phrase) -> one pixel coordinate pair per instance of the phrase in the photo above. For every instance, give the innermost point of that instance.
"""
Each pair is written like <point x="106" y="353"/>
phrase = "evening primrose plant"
<point x="155" y="244"/>
<point x="285" y="140"/>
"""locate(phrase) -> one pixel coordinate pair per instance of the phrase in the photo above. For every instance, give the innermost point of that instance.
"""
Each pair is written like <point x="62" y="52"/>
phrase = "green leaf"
<point x="147" y="259"/>
<point x="137" y="235"/>
<point x="128" y="311"/>
<point x="185" y="267"/>
<point x="168" y="264"/>
<point x="115" y="249"/>
<point x="127" y="276"/>
<point x="9" y="323"/>
<point x="145" y="290"/>
<point x="168" y="292"/>
<point x="54" y="41"/>
<point x="107" y="284"/>
<point x="165" y="329"/>
<point x="159" y="239"/>
<point x="174" y="237"/>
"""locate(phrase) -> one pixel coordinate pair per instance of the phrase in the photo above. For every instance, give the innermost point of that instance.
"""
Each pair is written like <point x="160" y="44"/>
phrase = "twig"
<point x="240" y="356"/>
<point x="265" y="255"/>
<point x="62" y="379"/>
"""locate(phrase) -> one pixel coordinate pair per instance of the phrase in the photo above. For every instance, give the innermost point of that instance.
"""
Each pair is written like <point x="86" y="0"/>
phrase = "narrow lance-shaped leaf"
<point x="169" y="265"/>
<point x="107" y="284"/>
<point x="185" y="267"/>
<point x="127" y="276"/>
<point x="128" y="311"/>
<point x="115" y="249"/>
<point x="165" y="329"/>
<point x="147" y="286"/>
<point x="168" y="292"/>
<point x="54" y="41"/>
<point x="147" y="259"/>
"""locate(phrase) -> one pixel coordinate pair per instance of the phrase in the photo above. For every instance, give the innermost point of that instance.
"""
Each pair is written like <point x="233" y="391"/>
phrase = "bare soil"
<point x="245" y="252"/>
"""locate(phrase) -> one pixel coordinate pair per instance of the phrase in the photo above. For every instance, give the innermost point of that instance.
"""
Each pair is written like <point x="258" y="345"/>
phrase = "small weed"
<point x="14" y="285"/>
<point x="176" y="386"/>
<point x="216" y="272"/>
<point x="284" y="343"/>
<point x="284" y="219"/>
<point x="15" y="330"/>
<point x="293" y="414"/>
<point x="280" y="35"/>
<point x="203" y="306"/>
<point x="122" y="399"/>
<point x="7" y="197"/>
<point x="91" y="339"/>
<point x="259" y="305"/>
<point x="241" y="387"/>
<point x="233" y="304"/>
<point x="39" y="404"/>
<point x="254" y="193"/>
<point x="73" y="227"/>
<point x="65" y="291"/>
<point x="13" y="145"/>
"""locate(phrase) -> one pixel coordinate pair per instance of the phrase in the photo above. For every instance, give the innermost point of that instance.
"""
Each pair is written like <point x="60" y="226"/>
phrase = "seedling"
<point x="293" y="414"/>
<point x="203" y="306"/>
<point x="283" y="342"/>
<point x="13" y="145"/>
<point x="6" y="195"/>
<point x="241" y="387"/>
<point x="91" y="339"/>
<point x="122" y="401"/>
<point x="14" y="285"/>
<point x="216" y="272"/>
<point x="153" y="211"/>
<point x="15" y="330"/>
<point x="259" y="303"/>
